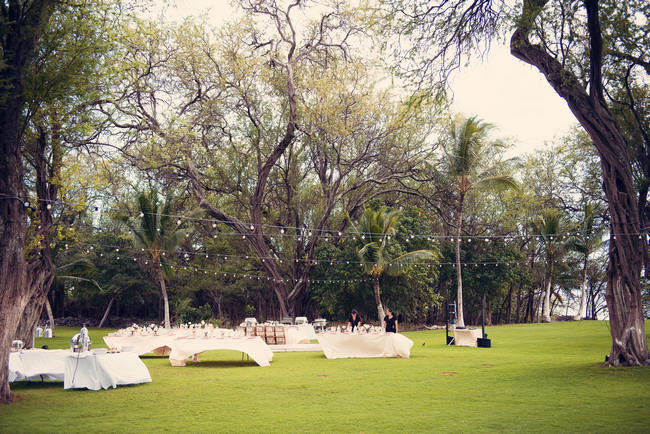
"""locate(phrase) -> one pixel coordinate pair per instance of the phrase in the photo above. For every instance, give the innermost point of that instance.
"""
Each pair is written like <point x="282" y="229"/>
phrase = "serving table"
<point x="89" y="371"/>
<point x="37" y="364"/>
<point x="353" y="345"/>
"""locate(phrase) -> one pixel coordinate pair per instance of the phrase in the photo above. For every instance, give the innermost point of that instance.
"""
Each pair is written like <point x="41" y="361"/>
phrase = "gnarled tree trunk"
<point x="626" y="248"/>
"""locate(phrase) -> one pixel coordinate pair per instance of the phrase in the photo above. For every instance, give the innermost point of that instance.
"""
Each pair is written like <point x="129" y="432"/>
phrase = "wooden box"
<point x="268" y="330"/>
<point x="270" y="340"/>
<point x="250" y="331"/>
<point x="259" y="330"/>
<point x="280" y="340"/>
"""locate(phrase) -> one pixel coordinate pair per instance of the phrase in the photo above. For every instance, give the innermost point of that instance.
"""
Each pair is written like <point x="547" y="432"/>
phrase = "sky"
<point x="499" y="89"/>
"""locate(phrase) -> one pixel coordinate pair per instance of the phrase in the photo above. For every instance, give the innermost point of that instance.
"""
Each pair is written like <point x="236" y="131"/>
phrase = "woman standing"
<point x="390" y="321"/>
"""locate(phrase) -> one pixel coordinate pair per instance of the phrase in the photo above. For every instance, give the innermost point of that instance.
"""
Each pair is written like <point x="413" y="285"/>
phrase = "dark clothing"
<point x="354" y="322"/>
<point x="391" y="324"/>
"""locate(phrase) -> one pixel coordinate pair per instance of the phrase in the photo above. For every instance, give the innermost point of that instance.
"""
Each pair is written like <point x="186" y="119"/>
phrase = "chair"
<point x="250" y="321"/>
<point x="301" y="320"/>
<point x="287" y="321"/>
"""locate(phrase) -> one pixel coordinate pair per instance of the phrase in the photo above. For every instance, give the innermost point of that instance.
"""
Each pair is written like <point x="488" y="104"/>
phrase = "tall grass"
<point x="535" y="378"/>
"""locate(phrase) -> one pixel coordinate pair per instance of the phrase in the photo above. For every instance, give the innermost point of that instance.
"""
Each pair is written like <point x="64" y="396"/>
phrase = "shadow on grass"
<point x="31" y="385"/>
<point x="220" y="364"/>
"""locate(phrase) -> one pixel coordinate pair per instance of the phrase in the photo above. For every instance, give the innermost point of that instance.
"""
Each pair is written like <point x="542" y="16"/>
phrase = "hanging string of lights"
<point x="273" y="231"/>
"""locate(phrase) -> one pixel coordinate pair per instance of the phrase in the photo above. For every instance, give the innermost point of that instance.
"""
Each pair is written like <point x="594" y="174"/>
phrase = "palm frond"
<point x="396" y="266"/>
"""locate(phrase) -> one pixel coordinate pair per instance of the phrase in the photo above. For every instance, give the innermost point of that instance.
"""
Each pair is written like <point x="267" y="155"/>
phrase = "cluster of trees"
<point x="172" y="171"/>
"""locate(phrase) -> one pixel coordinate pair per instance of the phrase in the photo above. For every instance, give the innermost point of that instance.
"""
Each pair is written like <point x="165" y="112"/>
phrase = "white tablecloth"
<point x="88" y="371"/>
<point x="299" y="334"/>
<point x="141" y="344"/>
<point x="37" y="364"/>
<point x="467" y="337"/>
<point x="254" y="346"/>
<point x="344" y="345"/>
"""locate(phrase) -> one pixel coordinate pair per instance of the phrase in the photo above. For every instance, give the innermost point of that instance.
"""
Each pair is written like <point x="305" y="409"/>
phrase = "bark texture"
<point x="626" y="250"/>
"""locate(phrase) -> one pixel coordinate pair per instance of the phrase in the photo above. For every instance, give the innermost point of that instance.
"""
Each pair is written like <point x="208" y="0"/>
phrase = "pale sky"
<point x="500" y="89"/>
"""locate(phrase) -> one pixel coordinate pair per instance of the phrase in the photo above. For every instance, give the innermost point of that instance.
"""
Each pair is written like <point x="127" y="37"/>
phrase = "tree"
<point x="314" y="136"/>
<point x="549" y="229"/>
<point x="466" y="161"/>
<point x="157" y="235"/>
<point x="23" y="23"/>
<point x="567" y="43"/>
<point x="589" y="239"/>
<point x="376" y="229"/>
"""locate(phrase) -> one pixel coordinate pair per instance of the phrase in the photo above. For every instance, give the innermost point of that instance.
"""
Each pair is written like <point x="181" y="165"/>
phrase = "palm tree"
<point x="157" y="234"/>
<point x="376" y="229"/>
<point x="589" y="240"/>
<point x="549" y="228"/>
<point x="468" y="154"/>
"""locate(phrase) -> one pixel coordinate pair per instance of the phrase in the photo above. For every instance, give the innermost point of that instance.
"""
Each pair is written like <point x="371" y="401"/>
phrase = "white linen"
<point x="88" y="371"/>
<point x="141" y="344"/>
<point x="299" y="334"/>
<point x="344" y="345"/>
<point x="467" y="337"/>
<point x="254" y="346"/>
<point x="37" y="364"/>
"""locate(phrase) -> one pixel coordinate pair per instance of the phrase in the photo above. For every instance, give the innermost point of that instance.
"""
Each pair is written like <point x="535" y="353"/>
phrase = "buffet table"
<point x="344" y="345"/>
<point x="37" y="365"/>
<point x="89" y="371"/>
<point x="254" y="346"/>
<point x="142" y="344"/>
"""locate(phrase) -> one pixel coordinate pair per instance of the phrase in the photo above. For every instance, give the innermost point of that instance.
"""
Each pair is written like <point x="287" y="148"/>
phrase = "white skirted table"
<point x="345" y="345"/>
<point x="181" y="344"/>
<point x="467" y="337"/>
<point x="89" y="371"/>
<point x="78" y="370"/>
<point x="254" y="346"/>
<point x="37" y="365"/>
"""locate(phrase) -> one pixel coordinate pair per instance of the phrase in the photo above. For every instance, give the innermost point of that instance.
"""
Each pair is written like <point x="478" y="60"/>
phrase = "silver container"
<point x="38" y="332"/>
<point x="81" y="341"/>
<point x="16" y="345"/>
<point x="48" y="332"/>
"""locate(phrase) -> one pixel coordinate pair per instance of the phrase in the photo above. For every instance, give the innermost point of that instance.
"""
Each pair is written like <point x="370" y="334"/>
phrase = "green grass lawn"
<point x="536" y="377"/>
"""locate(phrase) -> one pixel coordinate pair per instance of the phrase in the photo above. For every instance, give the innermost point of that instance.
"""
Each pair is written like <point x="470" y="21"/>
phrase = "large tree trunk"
<point x="460" y="322"/>
<point x="582" y="309"/>
<point x="626" y="250"/>
<point x="380" y="308"/>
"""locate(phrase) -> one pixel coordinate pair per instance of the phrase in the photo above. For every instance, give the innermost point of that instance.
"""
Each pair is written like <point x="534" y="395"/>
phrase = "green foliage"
<point x="186" y="313"/>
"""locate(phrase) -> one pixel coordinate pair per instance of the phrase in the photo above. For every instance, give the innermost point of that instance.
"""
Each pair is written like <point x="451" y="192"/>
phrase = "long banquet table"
<point x="180" y="345"/>
<point x="346" y="345"/>
<point x="254" y="346"/>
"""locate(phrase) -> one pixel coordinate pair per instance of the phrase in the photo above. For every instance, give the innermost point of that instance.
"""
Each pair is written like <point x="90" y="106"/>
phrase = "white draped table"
<point x="88" y="371"/>
<point x="299" y="334"/>
<point x="180" y="344"/>
<point x="37" y="364"/>
<point x="345" y="345"/>
<point x="254" y="346"/>
<point x="467" y="337"/>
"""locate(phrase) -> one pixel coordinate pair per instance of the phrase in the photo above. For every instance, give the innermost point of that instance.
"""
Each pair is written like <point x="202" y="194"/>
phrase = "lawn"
<point x="535" y="378"/>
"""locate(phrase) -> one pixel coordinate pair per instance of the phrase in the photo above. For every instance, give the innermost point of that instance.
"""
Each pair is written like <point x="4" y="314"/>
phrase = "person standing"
<point x="390" y="321"/>
<point x="354" y="320"/>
